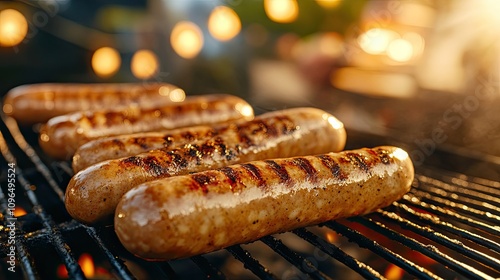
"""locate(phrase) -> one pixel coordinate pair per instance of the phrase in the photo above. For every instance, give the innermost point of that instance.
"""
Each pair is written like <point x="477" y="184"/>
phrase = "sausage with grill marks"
<point x="37" y="103"/>
<point x="93" y="193"/>
<point x="120" y="146"/>
<point x="62" y="135"/>
<point x="183" y="216"/>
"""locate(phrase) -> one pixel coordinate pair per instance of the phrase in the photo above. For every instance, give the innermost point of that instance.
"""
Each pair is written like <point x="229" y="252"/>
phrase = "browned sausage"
<point x="93" y="193"/>
<point x="182" y="216"/>
<point x="37" y="103"/>
<point x="114" y="147"/>
<point x="62" y="135"/>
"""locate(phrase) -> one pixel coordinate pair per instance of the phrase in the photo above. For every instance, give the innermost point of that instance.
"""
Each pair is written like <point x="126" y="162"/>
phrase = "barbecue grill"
<point x="445" y="227"/>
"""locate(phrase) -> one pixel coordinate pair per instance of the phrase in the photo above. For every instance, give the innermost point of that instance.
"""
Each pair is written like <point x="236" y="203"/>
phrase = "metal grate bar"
<point x="26" y="262"/>
<point x="387" y="254"/>
<point x="426" y="249"/>
<point x="30" y="152"/>
<point x="460" y="179"/>
<point x="74" y="270"/>
<point x="442" y="239"/>
<point x="361" y="268"/>
<point x="168" y="270"/>
<point x="457" y="206"/>
<point x="250" y="263"/>
<point x="438" y="223"/>
<point x="451" y="214"/>
<point x="118" y="267"/>
<point x="211" y="271"/>
<point x="297" y="260"/>
<point x="473" y="191"/>
<point x="478" y="200"/>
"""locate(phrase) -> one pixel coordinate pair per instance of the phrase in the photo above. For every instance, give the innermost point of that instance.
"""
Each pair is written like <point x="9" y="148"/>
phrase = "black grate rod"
<point x="205" y="266"/>
<point x="476" y="191"/>
<point x="426" y="249"/>
<point x="478" y="200"/>
<point x="30" y="152"/>
<point x="168" y="271"/>
<point x="332" y="250"/>
<point x="74" y="270"/>
<point x="442" y="239"/>
<point x="118" y="267"/>
<point x="437" y="222"/>
<point x="363" y="241"/>
<point x="291" y="256"/>
<point x="463" y="180"/>
<point x="495" y="230"/>
<point x="26" y="262"/>
<point x="250" y="263"/>
<point x="457" y="206"/>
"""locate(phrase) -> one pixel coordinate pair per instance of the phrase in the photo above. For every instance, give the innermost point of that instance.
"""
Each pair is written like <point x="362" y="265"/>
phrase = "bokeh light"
<point x="328" y="3"/>
<point x="224" y="24"/>
<point x="186" y="39"/>
<point x="106" y="61"/>
<point x="144" y="64"/>
<point x="13" y="27"/>
<point x="376" y="40"/>
<point x="400" y="50"/>
<point x="281" y="11"/>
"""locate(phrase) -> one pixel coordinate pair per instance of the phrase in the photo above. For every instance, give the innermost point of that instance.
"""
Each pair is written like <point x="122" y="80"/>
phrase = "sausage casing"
<point x="182" y="216"/>
<point x="93" y="193"/>
<point x="62" y="135"/>
<point x="37" y="103"/>
<point x="114" y="147"/>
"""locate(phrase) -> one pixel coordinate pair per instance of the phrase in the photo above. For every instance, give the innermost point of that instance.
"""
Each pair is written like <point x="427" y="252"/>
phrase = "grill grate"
<point x="446" y="227"/>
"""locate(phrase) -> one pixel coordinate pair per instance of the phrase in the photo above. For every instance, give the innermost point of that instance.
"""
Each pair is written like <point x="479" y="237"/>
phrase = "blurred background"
<point x="425" y="72"/>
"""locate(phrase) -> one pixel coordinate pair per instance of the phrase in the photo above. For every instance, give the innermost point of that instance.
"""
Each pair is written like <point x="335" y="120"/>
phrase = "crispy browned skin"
<point x="132" y="144"/>
<point x="93" y="193"/>
<point x="182" y="216"/>
<point x="62" y="135"/>
<point x="37" y="103"/>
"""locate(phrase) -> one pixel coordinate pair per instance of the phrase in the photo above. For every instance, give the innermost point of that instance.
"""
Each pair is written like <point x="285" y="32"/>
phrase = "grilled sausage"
<point x="128" y="145"/>
<point x="37" y="103"/>
<point x="182" y="216"/>
<point x="132" y="144"/>
<point x="93" y="193"/>
<point x="62" y="135"/>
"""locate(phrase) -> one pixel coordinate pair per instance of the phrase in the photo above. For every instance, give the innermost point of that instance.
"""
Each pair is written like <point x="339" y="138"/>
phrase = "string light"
<point x="281" y="11"/>
<point x="106" y="61"/>
<point x="223" y="23"/>
<point x="13" y="27"/>
<point x="144" y="64"/>
<point x="186" y="39"/>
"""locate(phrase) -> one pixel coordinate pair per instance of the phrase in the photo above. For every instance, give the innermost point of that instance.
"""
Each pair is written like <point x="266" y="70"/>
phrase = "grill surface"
<point x="446" y="227"/>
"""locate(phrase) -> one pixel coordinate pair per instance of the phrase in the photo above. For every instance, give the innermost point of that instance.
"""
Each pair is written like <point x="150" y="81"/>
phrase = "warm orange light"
<point x="87" y="264"/>
<point x="19" y="212"/>
<point x="186" y="39"/>
<point x="13" y="27"/>
<point x="394" y="272"/>
<point x="223" y="23"/>
<point x="328" y="3"/>
<point x="106" y="61"/>
<point x="177" y="95"/>
<point x="144" y="64"/>
<point x="400" y="50"/>
<point x="62" y="272"/>
<point x="331" y="237"/>
<point x="281" y="11"/>
<point x="376" y="40"/>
